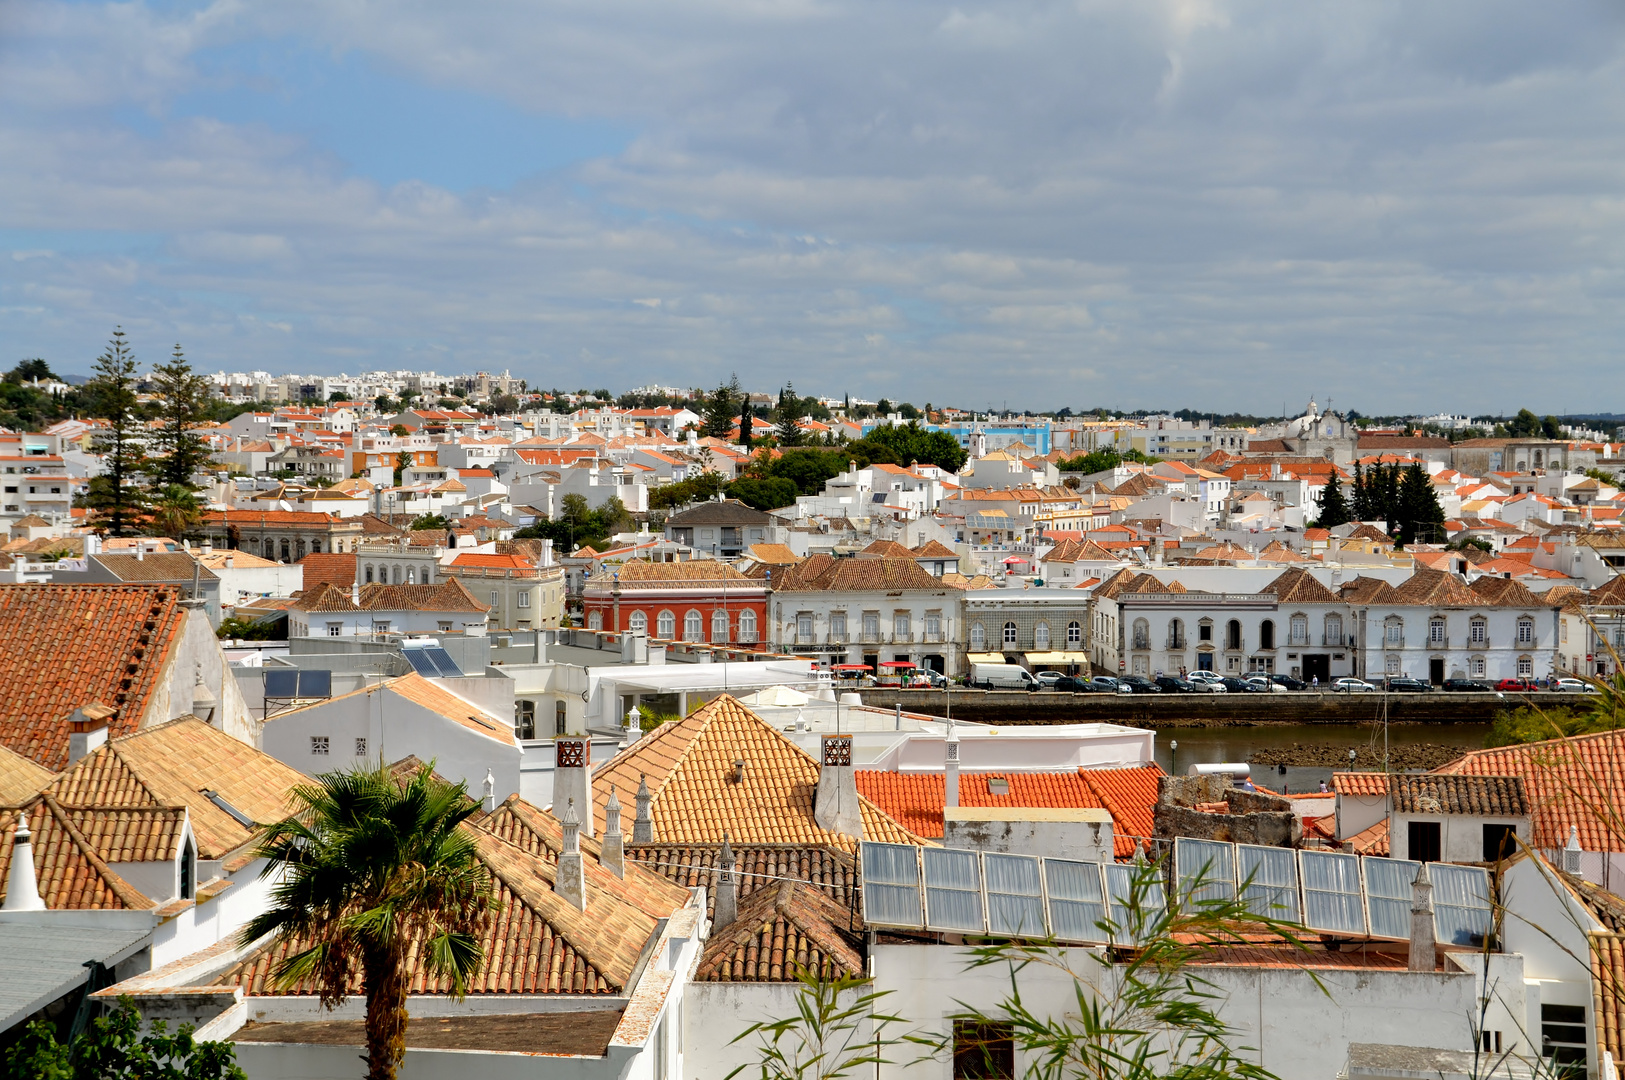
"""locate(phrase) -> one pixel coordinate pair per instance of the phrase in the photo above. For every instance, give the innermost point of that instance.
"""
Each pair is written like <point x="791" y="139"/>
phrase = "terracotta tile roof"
<point x="240" y="560"/>
<point x="1436" y="588"/>
<point x="63" y="646"/>
<point x="333" y="568"/>
<point x="637" y="574"/>
<point x="916" y="799"/>
<point x="1372" y="840"/>
<point x="1360" y="783"/>
<point x="538" y="832"/>
<point x="1505" y="592"/>
<point x="1496" y="796"/>
<point x="172" y="765"/>
<point x="779" y="932"/>
<point x="1300" y="587"/>
<point x="773" y="554"/>
<point x="1608" y="991"/>
<point x="536" y="942"/>
<point x="1366" y="590"/>
<point x="756" y="866"/>
<point x="1275" y="551"/>
<point x="825" y="573"/>
<point x="426" y="694"/>
<point x="888" y="548"/>
<point x="20" y="778"/>
<point x="1567" y="782"/>
<point x="131" y="834"/>
<point x="69" y="871"/>
<point x="154" y="567"/>
<point x="306" y="519"/>
<point x="689" y="768"/>
<point x="1369" y="532"/>
<point x="475" y="560"/>
<point x="933" y="549"/>
<point x="450" y="595"/>
<point x="325" y="596"/>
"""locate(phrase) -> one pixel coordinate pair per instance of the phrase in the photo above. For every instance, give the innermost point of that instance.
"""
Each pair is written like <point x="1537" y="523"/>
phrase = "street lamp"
<point x="1173" y="748"/>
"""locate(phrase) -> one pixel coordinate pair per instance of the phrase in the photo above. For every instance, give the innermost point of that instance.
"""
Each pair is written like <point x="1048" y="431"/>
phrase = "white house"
<point x="871" y="611"/>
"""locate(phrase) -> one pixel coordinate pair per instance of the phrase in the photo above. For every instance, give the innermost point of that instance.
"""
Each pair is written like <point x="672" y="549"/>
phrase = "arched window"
<point x="1334" y="630"/>
<point x="285" y="550"/>
<point x="188" y="870"/>
<point x="1176" y="633"/>
<point x="978" y="637"/>
<point x="595" y="621"/>
<point x="397" y="574"/>
<point x="638" y="622"/>
<point x="1266" y="634"/>
<point x="1074" y="633"/>
<point x="693" y="626"/>
<point x="666" y="625"/>
<point x="1009" y="633"/>
<point x="1436" y="630"/>
<point x="1232" y="635"/>
<point x="1526" y="631"/>
<point x="425" y="576"/>
<point x="1041" y="636"/>
<point x="719" y="626"/>
<point x="747" y="627"/>
<point x="315" y="547"/>
<point x="1300" y="629"/>
<point x="369" y="573"/>
<point x="1142" y="634"/>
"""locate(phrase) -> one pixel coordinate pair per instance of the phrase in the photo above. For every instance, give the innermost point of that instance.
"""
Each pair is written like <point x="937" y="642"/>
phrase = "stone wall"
<point x="1249" y="817"/>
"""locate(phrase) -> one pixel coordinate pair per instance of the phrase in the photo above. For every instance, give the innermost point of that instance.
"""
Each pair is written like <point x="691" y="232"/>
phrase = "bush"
<point x="112" y="1046"/>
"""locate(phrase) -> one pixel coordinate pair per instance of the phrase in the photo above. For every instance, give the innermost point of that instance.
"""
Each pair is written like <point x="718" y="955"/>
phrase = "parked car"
<point x="1573" y="686"/>
<point x="1206" y="682"/>
<point x="1048" y="679"/>
<point x="1108" y="684"/>
<point x="1467" y="686"/>
<point x="1265" y="684"/>
<point x="1071" y="684"/>
<point x="1242" y="686"/>
<point x="1352" y="686"/>
<point x="1002" y="677"/>
<point x="1138" y="684"/>
<point x="1516" y="686"/>
<point x="1173" y="684"/>
<point x="1399" y="685"/>
<point x="1289" y="682"/>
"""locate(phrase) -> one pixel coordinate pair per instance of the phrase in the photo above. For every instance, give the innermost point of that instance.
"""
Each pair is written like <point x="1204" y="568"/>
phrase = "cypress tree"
<point x="789" y="412"/>
<point x="1334" y="510"/>
<point x="1361" y="502"/>
<point x="744" y="422"/>
<point x="115" y="492"/>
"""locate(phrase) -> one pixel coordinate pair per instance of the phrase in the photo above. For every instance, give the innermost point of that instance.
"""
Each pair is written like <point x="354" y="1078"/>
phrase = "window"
<point x="804" y="628"/>
<point x="747" y="627"/>
<point x="837" y="625"/>
<point x="1526" y="667"/>
<point x="638" y="622"/>
<point x="559" y="717"/>
<point x="666" y="625"/>
<point x="1526" y="631"/>
<point x="1266" y="634"/>
<point x="1009" y="633"/>
<point x="1436" y="630"/>
<point x="1390" y="664"/>
<point x="380" y="626"/>
<point x="720" y="626"/>
<point x="1499" y="842"/>
<point x="443" y="627"/>
<point x="335" y="629"/>
<point x="524" y="719"/>
<point x="1142" y="634"/>
<point x="369" y="573"/>
<point x="871" y="626"/>
<point x="1478" y="631"/>
<point x="1204" y="630"/>
<point x="595" y="620"/>
<point x="1334" y="630"/>
<point x="361" y="747"/>
<point x="1478" y="667"/>
<point x="1393" y="631"/>
<point x="1299" y="628"/>
<point x="900" y="626"/>
<point x="1424" y="841"/>
<point x="978" y="637"/>
<point x="1563" y="1035"/>
<point x="318" y="745"/>
<point x="524" y="598"/>
<point x="188" y="870"/>
<point x="984" y="1051"/>
<point x="933" y="626"/>
<point x="693" y="626"/>
<point x="1232" y="635"/>
<point x="1041" y="636"/>
<point x="1074" y="633"/>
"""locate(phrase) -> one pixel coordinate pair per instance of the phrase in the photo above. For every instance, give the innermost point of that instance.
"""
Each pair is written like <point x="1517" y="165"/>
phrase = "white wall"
<point x="1461" y="836"/>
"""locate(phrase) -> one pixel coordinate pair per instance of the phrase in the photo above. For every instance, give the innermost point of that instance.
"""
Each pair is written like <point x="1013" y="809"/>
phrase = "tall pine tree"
<point x="1421" y="518"/>
<point x="179" y="451"/>
<point x="745" y="417"/>
<point x="1360" y="503"/>
<point x="1334" y="510"/>
<point x="720" y="408"/>
<point x="116" y="494"/>
<point x="789" y="413"/>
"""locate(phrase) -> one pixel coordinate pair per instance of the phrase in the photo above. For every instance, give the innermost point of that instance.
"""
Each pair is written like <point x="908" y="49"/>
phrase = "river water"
<point x="1226" y="744"/>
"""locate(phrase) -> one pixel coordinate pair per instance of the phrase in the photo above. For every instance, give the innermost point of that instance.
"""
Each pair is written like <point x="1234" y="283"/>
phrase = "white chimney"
<point x="355" y="592"/>
<point x="570" y="877"/>
<point x="1571" y="852"/>
<point x="950" y="767"/>
<point x="1422" y="951"/>
<point x="22" y="887"/>
<point x="643" y="822"/>
<point x="572" y="776"/>
<point x="612" y="852"/>
<point x="490" y="799"/>
<point x="725" y="910"/>
<point x="87" y="729"/>
<point x="836" y="805"/>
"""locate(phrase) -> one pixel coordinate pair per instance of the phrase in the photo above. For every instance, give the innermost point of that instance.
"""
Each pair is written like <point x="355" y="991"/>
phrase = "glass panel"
<point x="1269" y="881"/>
<point x="953" y="890"/>
<point x="316" y="683"/>
<point x="1120" y="881"/>
<point x="281" y="684"/>
<point x="891" y="885"/>
<point x="1015" y="897"/>
<point x="1207" y="870"/>
<point x="1461" y="903"/>
<point x="1332" y="902"/>
<point x="1388" y="896"/>
<point x="1077" y="900"/>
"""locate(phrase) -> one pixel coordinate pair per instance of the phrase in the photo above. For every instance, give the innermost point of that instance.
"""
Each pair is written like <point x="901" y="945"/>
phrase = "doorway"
<point x="1204" y="661"/>
<point x="1436" y="671"/>
<point x="1317" y="666"/>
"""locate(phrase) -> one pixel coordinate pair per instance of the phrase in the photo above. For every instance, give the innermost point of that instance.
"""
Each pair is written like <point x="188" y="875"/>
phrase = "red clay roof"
<point x="1568" y="782"/>
<point x="334" y="568"/>
<point x="1360" y="783"/>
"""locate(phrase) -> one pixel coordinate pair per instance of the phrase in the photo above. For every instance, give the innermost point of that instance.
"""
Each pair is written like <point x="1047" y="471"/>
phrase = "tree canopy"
<point x="909" y="444"/>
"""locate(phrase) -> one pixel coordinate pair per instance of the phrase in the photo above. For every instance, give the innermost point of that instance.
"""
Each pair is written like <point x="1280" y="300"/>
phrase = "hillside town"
<point x="708" y="703"/>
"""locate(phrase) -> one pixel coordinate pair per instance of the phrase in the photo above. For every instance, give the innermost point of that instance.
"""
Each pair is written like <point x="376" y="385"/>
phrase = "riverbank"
<point x="1402" y="757"/>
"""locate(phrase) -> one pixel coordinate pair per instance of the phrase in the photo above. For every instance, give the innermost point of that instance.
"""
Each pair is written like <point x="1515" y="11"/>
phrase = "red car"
<point x="1519" y="686"/>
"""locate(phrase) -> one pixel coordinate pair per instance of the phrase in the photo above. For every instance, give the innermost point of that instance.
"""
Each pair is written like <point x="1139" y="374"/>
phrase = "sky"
<point x="1141" y="204"/>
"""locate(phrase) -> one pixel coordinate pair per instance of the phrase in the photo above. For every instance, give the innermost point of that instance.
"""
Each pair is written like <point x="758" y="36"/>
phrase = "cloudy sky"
<point x="1219" y="205"/>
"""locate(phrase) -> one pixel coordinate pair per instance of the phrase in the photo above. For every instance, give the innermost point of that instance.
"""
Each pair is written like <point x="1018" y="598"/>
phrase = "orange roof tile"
<point x="1360" y="783"/>
<point x="69" y="872"/>
<point x="1568" y="782"/>
<point x="780" y="932"/>
<point x="20" y="778"/>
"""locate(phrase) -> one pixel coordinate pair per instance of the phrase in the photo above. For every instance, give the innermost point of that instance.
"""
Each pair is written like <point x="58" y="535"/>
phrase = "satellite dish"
<point x="282" y="504"/>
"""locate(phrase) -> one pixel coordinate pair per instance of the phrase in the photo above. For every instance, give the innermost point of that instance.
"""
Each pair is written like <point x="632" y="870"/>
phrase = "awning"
<point x="897" y="663"/>
<point x="1058" y="658"/>
<point x="1014" y="559"/>
<point x="850" y="667"/>
<point x="986" y="658"/>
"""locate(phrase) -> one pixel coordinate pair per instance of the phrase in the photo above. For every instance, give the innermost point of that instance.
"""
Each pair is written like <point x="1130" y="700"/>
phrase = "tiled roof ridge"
<point x="127" y="894"/>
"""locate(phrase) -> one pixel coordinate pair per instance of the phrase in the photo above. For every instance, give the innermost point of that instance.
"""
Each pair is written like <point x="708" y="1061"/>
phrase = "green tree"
<point x="114" y="1047"/>
<point x="116" y="493"/>
<point x="424" y="522"/>
<point x="721" y="407"/>
<point x="745" y="418"/>
<point x="1360" y="500"/>
<point x="808" y="467"/>
<point x="372" y="870"/>
<point x="1526" y="425"/>
<point x="700" y="488"/>
<point x="30" y="370"/>
<point x="1421" y="518"/>
<point x="1093" y="462"/>
<point x="835" y="1031"/>
<point x="907" y="444"/>
<point x="1334" y="510"/>
<point x="1551" y="427"/>
<point x="179" y="451"/>
<point x="403" y="461"/>
<point x="174" y="511"/>
<point x="769" y="494"/>
<point x="503" y="404"/>
<point x="790" y="413"/>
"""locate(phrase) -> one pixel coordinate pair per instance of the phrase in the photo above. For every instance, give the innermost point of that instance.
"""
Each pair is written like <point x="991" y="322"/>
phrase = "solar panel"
<point x="1015" y="895"/>
<point x="1207" y="870"/>
<point x="891" y="885"/>
<point x="953" y="890"/>
<point x="442" y="660"/>
<point x="1077" y="899"/>
<point x="1120" y="885"/>
<point x="1332" y="900"/>
<point x="281" y="683"/>
<point x="316" y="683"/>
<point x="1388" y="896"/>
<point x="421" y="663"/>
<point x="1461" y="903"/>
<point x="1269" y="881"/>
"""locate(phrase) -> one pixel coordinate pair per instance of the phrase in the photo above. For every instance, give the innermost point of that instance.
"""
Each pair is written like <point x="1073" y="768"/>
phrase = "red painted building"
<point x="697" y="600"/>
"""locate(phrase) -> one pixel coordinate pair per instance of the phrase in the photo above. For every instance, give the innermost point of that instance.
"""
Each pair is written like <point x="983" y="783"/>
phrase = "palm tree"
<point x="374" y="868"/>
<point x="175" y="511"/>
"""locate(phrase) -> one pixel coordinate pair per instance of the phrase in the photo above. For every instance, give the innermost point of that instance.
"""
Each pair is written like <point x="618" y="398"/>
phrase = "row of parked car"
<point x="1210" y="682"/>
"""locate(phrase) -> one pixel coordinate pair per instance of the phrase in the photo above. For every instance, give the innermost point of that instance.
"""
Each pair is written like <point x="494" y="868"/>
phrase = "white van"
<point x="1002" y="677"/>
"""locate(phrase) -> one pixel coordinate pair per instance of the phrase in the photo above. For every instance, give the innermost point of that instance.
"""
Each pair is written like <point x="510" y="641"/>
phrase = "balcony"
<point x="935" y="637"/>
<point x="872" y="637"/>
<point x="839" y="637"/>
<point x="1333" y="641"/>
<point x="1141" y="643"/>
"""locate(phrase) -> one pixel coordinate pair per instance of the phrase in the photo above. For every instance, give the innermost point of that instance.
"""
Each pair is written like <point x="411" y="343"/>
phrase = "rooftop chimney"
<point x="643" y="823"/>
<point x="22" y="888"/>
<point x="612" y="855"/>
<point x="1422" y="951"/>
<point x="950" y="767"/>
<point x="570" y="878"/>
<point x="87" y="729"/>
<point x="739" y="770"/>
<point x="572" y="776"/>
<point x="726" y="908"/>
<point x="836" y="806"/>
<point x="355" y="592"/>
<point x="490" y="800"/>
<point x="1571" y="851"/>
